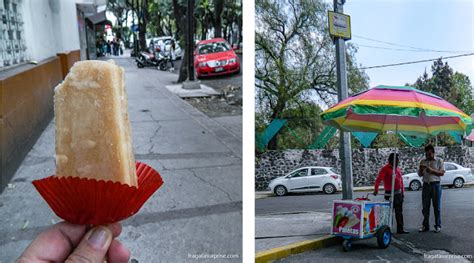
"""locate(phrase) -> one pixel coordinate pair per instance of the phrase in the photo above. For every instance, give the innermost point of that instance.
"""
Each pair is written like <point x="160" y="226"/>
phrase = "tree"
<point x="455" y="87"/>
<point x="217" y="21"/>
<point x="461" y="93"/>
<point x="204" y="15"/>
<point x="160" y="18"/>
<point x="218" y="15"/>
<point x="441" y="82"/>
<point x="295" y="58"/>
<point x="120" y="11"/>
<point x="303" y="127"/>
<point x="180" y="12"/>
<point x="143" y="16"/>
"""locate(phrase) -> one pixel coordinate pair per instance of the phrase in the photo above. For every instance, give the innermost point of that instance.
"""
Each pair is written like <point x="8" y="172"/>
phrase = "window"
<point x="299" y="173"/>
<point x="449" y="167"/>
<point x="213" y="47"/>
<point x="318" y="171"/>
<point x="12" y="39"/>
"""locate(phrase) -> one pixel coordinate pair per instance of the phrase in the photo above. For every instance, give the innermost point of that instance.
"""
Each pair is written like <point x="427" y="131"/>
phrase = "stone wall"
<point x="366" y="162"/>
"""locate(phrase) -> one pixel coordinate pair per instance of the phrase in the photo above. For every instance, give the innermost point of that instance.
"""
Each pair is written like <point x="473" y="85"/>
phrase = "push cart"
<point x="361" y="219"/>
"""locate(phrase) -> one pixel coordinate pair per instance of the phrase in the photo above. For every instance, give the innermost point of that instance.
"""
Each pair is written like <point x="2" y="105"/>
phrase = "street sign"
<point x="339" y="25"/>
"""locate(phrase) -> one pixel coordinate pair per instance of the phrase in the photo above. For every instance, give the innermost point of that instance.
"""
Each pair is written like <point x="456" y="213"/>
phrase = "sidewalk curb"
<point x="295" y="248"/>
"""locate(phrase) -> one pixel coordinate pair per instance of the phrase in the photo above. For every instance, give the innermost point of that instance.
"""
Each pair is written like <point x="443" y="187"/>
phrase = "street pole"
<point x="345" y="152"/>
<point x="190" y="40"/>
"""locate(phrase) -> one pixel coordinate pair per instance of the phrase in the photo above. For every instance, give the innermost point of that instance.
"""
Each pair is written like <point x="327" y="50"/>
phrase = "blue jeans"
<point x="431" y="194"/>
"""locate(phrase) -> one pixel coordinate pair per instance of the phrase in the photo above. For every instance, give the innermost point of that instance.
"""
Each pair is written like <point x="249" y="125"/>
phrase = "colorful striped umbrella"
<point x="403" y="109"/>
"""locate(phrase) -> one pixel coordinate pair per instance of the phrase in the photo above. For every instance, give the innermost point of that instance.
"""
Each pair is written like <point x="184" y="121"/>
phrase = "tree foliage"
<point x="295" y="60"/>
<point x="455" y="87"/>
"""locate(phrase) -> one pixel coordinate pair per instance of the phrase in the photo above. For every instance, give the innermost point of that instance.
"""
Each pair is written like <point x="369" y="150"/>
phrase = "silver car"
<point x="307" y="179"/>
<point x="455" y="176"/>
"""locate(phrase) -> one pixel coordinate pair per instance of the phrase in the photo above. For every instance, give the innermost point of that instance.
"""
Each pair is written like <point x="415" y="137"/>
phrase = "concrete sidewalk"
<point x="197" y="211"/>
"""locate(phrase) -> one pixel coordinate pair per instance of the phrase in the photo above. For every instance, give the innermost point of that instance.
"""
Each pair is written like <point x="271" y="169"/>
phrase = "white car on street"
<point x="455" y="175"/>
<point x="307" y="179"/>
<point x="165" y="44"/>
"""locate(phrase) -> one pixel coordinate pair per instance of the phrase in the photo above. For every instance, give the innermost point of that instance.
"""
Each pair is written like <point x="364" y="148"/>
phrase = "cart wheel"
<point x="347" y="245"/>
<point x="384" y="237"/>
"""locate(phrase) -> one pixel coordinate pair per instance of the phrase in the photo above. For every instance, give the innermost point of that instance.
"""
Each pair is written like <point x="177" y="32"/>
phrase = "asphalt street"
<point x="456" y="237"/>
<point x="198" y="210"/>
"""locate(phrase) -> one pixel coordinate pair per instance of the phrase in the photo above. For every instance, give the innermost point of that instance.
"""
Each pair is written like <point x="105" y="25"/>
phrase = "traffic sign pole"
<point x="345" y="152"/>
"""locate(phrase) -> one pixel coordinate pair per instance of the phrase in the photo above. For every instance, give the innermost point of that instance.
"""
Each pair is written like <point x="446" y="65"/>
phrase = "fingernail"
<point x="98" y="238"/>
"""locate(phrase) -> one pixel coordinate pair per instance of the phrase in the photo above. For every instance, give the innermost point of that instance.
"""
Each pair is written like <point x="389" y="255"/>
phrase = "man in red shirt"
<point x="385" y="175"/>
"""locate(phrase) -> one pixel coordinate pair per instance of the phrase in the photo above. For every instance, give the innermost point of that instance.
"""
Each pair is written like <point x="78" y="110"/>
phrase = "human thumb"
<point x="93" y="247"/>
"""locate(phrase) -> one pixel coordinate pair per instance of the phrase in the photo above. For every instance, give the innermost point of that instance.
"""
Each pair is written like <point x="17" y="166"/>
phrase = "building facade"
<point x="39" y="41"/>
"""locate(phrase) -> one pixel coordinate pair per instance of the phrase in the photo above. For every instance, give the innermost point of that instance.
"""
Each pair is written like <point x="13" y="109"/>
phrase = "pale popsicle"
<point x="93" y="137"/>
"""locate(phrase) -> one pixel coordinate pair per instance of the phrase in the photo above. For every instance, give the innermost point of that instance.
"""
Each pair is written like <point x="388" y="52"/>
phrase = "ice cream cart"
<point x="361" y="219"/>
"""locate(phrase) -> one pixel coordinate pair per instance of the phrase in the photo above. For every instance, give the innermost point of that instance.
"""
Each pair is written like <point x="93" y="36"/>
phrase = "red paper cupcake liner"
<point x="88" y="201"/>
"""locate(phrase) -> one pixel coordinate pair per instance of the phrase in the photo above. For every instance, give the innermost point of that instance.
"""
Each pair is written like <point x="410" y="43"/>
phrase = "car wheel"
<point x="415" y="185"/>
<point x="280" y="190"/>
<point x="329" y="189"/>
<point x="458" y="182"/>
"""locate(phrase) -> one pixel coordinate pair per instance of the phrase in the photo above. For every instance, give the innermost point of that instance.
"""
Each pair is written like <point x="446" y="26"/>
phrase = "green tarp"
<point x="412" y="140"/>
<point x="262" y="139"/>
<point x="365" y="138"/>
<point x="323" y="138"/>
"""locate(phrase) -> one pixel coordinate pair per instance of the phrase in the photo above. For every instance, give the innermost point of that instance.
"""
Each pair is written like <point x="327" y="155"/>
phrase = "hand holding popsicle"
<point x="73" y="243"/>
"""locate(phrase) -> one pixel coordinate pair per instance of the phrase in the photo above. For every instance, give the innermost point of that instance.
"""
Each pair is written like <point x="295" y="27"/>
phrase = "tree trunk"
<point x="203" y="31"/>
<point x="142" y="37"/>
<point x="218" y="8"/>
<point x="183" y="69"/>
<point x="142" y="25"/>
<point x="179" y="12"/>
<point x="239" y="23"/>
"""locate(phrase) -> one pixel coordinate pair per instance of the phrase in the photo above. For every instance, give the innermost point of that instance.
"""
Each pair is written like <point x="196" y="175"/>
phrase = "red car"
<point x="215" y="57"/>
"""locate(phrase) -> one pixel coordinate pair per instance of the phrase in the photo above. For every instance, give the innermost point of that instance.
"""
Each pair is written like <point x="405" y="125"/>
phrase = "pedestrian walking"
<point x="115" y="46"/>
<point x="385" y="175"/>
<point x="108" y="48"/>
<point x="121" y="46"/>
<point x="173" y="54"/>
<point x="431" y="169"/>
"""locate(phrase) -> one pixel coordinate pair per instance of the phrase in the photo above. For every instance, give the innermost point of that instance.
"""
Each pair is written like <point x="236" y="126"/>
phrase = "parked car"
<point x="307" y="179"/>
<point x="165" y="43"/>
<point x="215" y="57"/>
<point x="455" y="176"/>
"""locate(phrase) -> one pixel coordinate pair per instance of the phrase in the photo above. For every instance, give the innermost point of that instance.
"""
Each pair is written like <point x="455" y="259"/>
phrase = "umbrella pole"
<point x="394" y="174"/>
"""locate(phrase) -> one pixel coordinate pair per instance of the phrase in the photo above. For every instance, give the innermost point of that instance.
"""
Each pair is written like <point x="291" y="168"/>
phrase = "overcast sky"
<point x="428" y="24"/>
